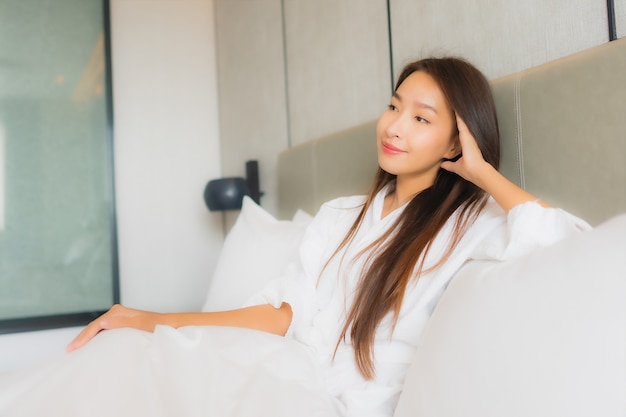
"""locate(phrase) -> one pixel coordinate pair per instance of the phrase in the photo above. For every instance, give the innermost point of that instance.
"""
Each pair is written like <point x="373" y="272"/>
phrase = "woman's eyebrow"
<point x="417" y="103"/>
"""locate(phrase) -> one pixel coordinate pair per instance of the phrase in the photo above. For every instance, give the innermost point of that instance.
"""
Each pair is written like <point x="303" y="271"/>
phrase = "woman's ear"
<point x="455" y="151"/>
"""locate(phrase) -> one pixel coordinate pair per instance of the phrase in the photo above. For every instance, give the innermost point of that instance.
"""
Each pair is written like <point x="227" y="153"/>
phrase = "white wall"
<point x="256" y="128"/>
<point x="166" y="149"/>
<point x="325" y="69"/>
<point x="620" y="17"/>
<point x="1" y="178"/>
<point x="338" y="65"/>
<point x="499" y="37"/>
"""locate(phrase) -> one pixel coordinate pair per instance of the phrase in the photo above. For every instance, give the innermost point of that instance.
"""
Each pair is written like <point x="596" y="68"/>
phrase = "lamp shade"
<point x="225" y="193"/>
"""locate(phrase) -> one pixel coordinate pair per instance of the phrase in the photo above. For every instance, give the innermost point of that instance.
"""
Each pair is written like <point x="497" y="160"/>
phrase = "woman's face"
<point x="417" y="131"/>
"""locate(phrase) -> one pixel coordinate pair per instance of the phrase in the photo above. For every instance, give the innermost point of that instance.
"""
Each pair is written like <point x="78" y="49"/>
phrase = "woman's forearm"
<point x="503" y="191"/>
<point x="262" y="317"/>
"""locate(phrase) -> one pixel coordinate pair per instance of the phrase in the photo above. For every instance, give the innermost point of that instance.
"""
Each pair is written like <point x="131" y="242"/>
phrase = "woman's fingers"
<point x="117" y="316"/>
<point x="471" y="163"/>
<point x="458" y="166"/>
<point x="468" y="142"/>
<point x="85" y="335"/>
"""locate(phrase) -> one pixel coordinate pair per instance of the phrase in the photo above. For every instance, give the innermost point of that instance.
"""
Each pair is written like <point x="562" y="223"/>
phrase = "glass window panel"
<point x="57" y="229"/>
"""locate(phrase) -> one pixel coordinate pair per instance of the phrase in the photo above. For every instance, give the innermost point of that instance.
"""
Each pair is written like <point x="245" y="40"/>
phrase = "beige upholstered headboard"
<point x="563" y="130"/>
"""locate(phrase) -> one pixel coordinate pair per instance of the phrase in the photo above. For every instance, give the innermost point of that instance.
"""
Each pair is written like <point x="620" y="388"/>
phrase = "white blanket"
<point x="224" y="372"/>
<point x="192" y="371"/>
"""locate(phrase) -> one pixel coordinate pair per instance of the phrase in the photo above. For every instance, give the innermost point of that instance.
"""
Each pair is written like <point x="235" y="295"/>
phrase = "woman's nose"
<point x="396" y="125"/>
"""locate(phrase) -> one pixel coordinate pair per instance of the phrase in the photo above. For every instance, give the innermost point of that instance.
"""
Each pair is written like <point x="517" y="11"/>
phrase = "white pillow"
<point x="541" y="336"/>
<point x="255" y="251"/>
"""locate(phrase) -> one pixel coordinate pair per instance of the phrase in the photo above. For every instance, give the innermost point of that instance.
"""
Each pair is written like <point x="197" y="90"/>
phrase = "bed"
<point x="541" y="336"/>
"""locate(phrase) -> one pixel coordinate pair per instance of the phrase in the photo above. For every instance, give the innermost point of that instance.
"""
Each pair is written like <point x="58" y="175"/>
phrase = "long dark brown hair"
<point x="394" y="258"/>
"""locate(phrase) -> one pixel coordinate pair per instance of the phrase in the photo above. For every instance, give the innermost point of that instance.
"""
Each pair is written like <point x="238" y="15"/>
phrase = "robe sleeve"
<point x="297" y="286"/>
<point x="527" y="227"/>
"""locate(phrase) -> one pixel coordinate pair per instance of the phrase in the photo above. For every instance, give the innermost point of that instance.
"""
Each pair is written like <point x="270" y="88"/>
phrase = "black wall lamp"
<point x="227" y="193"/>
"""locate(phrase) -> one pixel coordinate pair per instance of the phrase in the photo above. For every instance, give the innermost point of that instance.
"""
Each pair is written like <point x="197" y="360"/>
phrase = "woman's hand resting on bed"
<point x="473" y="167"/>
<point x="261" y="317"/>
<point x="117" y="317"/>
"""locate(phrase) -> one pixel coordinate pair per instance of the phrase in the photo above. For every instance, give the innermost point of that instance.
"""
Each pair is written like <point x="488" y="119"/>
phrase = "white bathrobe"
<point x="228" y="372"/>
<point x="319" y="297"/>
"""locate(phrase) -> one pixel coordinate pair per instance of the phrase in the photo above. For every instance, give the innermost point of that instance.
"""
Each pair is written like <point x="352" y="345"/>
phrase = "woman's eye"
<point x="392" y="107"/>
<point x="421" y="119"/>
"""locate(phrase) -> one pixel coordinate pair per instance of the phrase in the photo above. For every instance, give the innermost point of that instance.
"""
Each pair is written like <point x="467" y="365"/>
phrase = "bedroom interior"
<point x="304" y="152"/>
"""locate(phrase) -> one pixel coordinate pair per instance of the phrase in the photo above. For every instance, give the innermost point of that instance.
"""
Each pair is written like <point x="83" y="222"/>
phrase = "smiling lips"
<point x="391" y="150"/>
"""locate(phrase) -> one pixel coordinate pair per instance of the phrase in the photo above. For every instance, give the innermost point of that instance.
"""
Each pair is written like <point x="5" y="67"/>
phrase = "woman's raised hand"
<point x="471" y="166"/>
<point x="118" y="316"/>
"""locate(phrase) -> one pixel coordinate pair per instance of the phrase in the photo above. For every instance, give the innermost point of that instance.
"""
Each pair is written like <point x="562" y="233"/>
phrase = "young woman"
<point x="371" y="270"/>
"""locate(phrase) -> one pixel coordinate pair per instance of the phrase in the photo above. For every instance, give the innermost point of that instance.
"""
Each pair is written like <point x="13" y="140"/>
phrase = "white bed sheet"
<point x="192" y="371"/>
